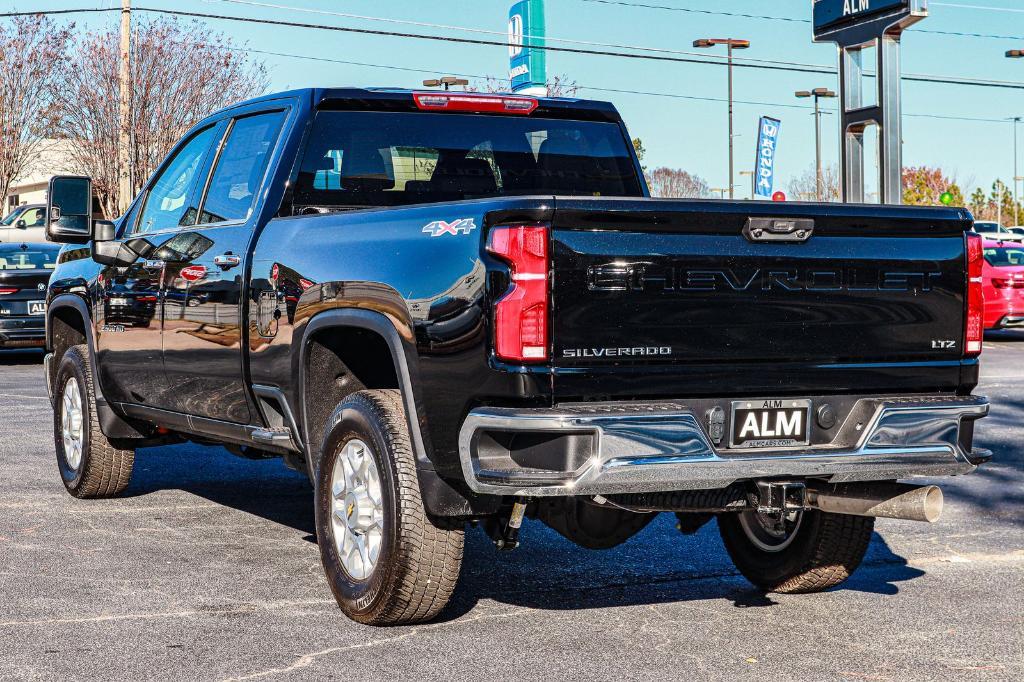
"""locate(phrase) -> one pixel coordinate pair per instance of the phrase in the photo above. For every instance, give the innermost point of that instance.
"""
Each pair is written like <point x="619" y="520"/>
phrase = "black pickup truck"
<point x="452" y="309"/>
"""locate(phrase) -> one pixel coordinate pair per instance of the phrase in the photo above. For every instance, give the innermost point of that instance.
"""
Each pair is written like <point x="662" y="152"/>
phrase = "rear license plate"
<point x="37" y="307"/>
<point x="770" y="423"/>
<point x="119" y="301"/>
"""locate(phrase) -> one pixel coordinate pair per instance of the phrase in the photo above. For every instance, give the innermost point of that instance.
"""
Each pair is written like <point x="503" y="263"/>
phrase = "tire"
<point x="818" y="552"/>
<point x="417" y="558"/>
<point x="89" y="464"/>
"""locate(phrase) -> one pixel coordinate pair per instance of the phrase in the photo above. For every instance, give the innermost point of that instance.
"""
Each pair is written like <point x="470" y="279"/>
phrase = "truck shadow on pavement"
<point x="20" y="356"/>
<point x="547" y="572"/>
<point x="657" y="566"/>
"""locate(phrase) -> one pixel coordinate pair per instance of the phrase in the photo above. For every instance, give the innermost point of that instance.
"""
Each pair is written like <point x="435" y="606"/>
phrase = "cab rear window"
<point x="362" y="159"/>
<point x="28" y="260"/>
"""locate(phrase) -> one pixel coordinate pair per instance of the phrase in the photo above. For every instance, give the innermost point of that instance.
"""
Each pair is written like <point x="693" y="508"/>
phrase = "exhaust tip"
<point x="932" y="504"/>
<point x="889" y="500"/>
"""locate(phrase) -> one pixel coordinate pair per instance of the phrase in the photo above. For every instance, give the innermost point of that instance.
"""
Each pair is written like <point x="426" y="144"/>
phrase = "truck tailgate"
<point x="678" y="283"/>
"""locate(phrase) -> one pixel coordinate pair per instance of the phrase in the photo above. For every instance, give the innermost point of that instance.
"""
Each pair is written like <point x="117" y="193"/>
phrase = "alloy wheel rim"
<point x="357" y="509"/>
<point x="763" y="532"/>
<point x="71" y="423"/>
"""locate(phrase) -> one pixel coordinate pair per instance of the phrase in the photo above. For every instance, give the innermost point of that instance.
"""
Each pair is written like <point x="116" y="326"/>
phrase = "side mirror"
<point x="106" y="251"/>
<point x="20" y="225"/>
<point x="69" y="210"/>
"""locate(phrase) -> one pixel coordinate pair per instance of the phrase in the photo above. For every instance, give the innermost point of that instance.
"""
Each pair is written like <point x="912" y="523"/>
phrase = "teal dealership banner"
<point x="527" y="64"/>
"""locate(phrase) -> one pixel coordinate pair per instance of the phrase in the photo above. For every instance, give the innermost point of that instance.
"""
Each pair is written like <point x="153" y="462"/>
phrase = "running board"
<point x="278" y="438"/>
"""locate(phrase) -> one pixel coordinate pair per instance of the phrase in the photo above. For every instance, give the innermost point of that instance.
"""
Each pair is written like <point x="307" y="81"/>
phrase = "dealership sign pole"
<point x="857" y="25"/>
<point x="526" y="31"/>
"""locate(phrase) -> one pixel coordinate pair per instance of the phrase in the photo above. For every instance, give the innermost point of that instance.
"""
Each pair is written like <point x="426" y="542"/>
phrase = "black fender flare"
<point x="112" y="423"/>
<point x="439" y="495"/>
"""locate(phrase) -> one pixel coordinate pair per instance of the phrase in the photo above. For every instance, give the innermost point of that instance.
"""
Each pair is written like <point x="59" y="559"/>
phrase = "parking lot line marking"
<point x="306" y="660"/>
<point x="240" y="609"/>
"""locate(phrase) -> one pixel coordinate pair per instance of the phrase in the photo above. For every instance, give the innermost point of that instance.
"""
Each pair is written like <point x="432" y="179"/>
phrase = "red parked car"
<point x="1004" y="284"/>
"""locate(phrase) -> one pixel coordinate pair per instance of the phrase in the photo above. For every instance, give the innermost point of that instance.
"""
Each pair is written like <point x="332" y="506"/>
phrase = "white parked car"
<point x="24" y="225"/>
<point x="993" y="230"/>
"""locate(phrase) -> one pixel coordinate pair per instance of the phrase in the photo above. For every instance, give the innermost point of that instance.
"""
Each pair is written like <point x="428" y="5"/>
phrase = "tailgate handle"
<point x="791" y="230"/>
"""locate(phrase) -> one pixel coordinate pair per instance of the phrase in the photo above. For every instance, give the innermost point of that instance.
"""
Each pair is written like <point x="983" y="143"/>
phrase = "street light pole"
<point x="999" y="201"/>
<point x="731" y="44"/>
<point x="817" y="94"/>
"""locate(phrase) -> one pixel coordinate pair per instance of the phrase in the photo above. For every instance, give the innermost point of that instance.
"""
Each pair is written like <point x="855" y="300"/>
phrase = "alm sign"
<point x="832" y="16"/>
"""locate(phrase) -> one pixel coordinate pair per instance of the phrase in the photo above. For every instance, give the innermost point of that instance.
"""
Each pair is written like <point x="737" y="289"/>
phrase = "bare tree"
<point x="676" y="183"/>
<point x="32" y="60"/>
<point x="180" y="72"/>
<point x="804" y="187"/>
<point x="559" y="86"/>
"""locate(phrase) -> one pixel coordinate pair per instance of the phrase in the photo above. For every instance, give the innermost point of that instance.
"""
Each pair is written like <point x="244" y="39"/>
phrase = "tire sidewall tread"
<point x="827" y="550"/>
<point x="105" y="469"/>
<point x="420" y="557"/>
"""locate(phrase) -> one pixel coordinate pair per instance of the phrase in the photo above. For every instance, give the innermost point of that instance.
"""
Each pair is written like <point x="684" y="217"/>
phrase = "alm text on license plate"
<point x="770" y="423"/>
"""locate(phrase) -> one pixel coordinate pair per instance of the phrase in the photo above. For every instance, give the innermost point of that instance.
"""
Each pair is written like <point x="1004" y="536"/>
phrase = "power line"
<point x="476" y="41"/>
<point x="547" y="38"/>
<point x="981" y="7"/>
<point x="795" y="20"/>
<point x="670" y="95"/>
<point x="690" y="10"/>
<point x="923" y="78"/>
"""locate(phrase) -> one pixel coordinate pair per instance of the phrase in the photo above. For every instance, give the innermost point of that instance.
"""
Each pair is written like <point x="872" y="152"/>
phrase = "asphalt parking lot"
<point x="208" y="569"/>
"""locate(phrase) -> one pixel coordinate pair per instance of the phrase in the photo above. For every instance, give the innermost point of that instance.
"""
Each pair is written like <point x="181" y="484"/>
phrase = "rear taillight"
<point x="521" y="315"/>
<point x="975" y="327"/>
<point x="4" y="291"/>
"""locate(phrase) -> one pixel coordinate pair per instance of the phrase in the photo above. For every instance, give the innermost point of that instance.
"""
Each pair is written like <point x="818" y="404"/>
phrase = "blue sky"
<point x="677" y="132"/>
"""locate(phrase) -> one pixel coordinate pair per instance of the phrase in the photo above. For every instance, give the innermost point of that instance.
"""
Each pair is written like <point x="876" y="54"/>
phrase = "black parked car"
<point x="24" y="271"/>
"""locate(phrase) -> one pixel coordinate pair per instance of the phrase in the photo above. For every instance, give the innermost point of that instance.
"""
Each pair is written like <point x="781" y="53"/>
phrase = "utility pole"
<point x="817" y="94"/>
<point x="1016" y="218"/>
<point x="124" y="132"/>
<point x="731" y="44"/>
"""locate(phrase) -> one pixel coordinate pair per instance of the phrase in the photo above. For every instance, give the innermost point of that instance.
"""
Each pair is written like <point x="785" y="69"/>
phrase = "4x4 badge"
<point x="440" y="227"/>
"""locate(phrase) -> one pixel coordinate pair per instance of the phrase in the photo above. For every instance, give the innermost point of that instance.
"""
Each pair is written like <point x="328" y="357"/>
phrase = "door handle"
<point x="227" y="260"/>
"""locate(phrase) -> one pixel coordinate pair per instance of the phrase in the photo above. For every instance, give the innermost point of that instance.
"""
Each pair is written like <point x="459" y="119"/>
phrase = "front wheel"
<point x="90" y="464"/>
<point x="801" y="552"/>
<point x="387" y="561"/>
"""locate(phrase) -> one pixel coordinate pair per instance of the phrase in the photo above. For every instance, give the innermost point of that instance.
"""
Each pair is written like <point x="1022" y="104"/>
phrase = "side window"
<point x="166" y="204"/>
<point x="240" y="168"/>
<point x="33" y="217"/>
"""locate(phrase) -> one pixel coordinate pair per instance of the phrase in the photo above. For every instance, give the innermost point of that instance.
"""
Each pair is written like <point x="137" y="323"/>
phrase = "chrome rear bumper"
<point x="651" y="447"/>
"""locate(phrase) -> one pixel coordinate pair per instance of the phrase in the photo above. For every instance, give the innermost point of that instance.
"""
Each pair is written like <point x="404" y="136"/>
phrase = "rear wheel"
<point x="387" y="561"/>
<point x="90" y="464"/>
<point x="804" y="551"/>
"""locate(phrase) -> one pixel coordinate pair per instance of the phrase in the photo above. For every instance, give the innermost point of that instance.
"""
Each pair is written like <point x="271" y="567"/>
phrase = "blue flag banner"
<point x="527" y="65"/>
<point x="767" y="145"/>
